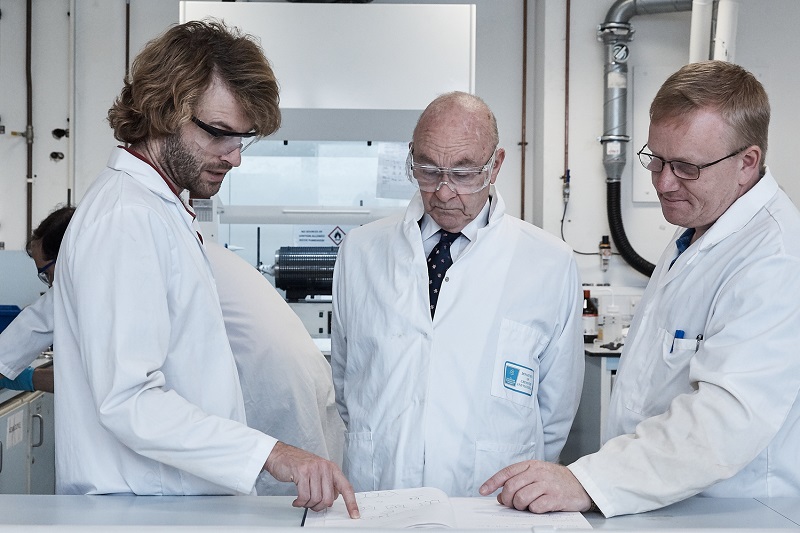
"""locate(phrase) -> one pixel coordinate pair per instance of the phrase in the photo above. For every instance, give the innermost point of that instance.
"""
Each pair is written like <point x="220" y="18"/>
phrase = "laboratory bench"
<point x="248" y="513"/>
<point x="27" y="440"/>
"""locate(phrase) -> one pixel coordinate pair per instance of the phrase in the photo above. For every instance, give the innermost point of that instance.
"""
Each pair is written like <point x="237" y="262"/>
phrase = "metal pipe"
<point x="523" y="141"/>
<point x="71" y="141"/>
<point x="725" y="34"/>
<point x="615" y="33"/>
<point x="567" y="38"/>
<point x="700" y="39"/>
<point x="29" y="127"/>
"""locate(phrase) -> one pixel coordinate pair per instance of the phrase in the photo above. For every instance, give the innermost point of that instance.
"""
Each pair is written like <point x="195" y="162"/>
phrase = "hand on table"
<point x="539" y="487"/>
<point x="319" y="481"/>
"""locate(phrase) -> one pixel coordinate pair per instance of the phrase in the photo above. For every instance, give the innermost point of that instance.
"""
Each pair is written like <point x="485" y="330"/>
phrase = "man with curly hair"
<point x="154" y="403"/>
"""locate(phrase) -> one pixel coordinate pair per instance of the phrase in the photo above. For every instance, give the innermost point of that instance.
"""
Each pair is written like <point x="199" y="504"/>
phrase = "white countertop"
<point x="151" y="513"/>
<point x="705" y="513"/>
<point x="247" y="513"/>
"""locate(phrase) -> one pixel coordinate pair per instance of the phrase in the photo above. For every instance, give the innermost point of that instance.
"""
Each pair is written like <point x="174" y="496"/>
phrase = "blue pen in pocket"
<point x="679" y="334"/>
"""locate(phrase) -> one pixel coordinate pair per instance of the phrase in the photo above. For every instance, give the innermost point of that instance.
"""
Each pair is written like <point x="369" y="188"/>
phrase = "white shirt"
<point x="430" y="229"/>
<point x="494" y="378"/>
<point x="154" y="403"/>
<point x="719" y="416"/>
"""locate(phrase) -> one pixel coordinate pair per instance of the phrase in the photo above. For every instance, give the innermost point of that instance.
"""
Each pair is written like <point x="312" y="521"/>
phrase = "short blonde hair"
<point x="725" y="88"/>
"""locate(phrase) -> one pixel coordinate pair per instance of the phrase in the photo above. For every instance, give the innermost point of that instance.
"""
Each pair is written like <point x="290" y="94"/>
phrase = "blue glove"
<point x="23" y="382"/>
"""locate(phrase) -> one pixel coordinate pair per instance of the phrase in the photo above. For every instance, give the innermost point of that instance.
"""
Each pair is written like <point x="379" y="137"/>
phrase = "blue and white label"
<point x="518" y="378"/>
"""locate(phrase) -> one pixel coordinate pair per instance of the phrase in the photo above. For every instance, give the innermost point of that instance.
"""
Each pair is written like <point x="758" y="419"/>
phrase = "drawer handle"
<point x="41" y="431"/>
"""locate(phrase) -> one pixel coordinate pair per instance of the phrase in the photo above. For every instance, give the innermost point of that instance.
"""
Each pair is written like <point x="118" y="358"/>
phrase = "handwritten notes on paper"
<point x="431" y="508"/>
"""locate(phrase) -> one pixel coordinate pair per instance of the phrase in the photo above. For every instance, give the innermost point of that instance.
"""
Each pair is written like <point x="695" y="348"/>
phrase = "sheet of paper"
<point x="422" y="507"/>
<point x="486" y="513"/>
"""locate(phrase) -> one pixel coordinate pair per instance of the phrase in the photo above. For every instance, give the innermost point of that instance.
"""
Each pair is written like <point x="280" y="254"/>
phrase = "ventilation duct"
<point x="615" y="33"/>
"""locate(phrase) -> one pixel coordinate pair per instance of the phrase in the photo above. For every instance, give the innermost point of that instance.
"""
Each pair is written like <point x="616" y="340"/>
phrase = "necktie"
<point x="439" y="261"/>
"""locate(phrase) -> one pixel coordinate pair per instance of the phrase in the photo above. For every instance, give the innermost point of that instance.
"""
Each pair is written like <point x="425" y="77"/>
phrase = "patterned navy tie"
<point x="439" y="261"/>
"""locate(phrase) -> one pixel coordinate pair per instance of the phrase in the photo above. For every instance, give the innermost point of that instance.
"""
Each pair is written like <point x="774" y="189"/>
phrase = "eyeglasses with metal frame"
<point x="681" y="169"/>
<point x="462" y="180"/>
<point x="42" y="273"/>
<point x="223" y="142"/>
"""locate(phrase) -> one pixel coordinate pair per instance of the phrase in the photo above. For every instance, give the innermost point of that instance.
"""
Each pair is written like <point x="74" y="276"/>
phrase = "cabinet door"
<point x="14" y="448"/>
<point x="42" y="444"/>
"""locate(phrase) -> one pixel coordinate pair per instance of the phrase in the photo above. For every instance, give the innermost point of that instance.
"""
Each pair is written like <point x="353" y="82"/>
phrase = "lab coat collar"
<point x="428" y="226"/>
<point x="123" y="160"/>
<point x="740" y="212"/>
<point x="736" y="217"/>
<point x="134" y="164"/>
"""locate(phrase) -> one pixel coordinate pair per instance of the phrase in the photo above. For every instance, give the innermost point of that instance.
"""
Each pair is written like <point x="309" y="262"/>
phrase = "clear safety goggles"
<point x="460" y="180"/>
<point x="223" y="142"/>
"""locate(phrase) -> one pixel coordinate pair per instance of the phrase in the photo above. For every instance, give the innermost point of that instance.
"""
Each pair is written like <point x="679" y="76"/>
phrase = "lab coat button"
<point x="447" y="278"/>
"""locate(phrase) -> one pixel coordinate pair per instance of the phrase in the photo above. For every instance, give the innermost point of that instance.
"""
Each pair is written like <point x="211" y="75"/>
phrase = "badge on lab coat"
<point x="516" y="363"/>
<point x="518" y="378"/>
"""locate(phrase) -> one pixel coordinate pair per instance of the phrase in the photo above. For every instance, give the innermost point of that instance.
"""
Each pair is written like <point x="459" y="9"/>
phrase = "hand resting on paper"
<point x="539" y="487"/>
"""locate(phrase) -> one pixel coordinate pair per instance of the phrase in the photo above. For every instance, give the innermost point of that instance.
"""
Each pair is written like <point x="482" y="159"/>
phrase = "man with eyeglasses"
<point x="442" y="378"/>
<point x="31" y="332"/>
<point x="706" y="395"/>
<point x="155" y="404"/>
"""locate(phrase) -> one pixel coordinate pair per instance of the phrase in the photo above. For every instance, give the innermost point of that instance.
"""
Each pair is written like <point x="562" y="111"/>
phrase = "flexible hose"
<point x="624" y="247"/>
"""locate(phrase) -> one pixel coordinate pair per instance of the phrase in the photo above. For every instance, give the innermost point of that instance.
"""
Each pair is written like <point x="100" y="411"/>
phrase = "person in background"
<point x="706" y="396"/>
<point x="138" y="326"/>
<point x="443" y="378"/>
<point x="286" y="381"/>
<point x="31" y="332"/>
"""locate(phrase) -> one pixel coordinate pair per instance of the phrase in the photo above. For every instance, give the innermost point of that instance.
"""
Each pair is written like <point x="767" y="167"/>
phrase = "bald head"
<point x="457" y="131"/>
<point x="462" y="110"/>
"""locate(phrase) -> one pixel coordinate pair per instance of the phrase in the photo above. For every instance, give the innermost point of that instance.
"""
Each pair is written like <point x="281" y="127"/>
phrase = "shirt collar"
<point x="428" y="226"/>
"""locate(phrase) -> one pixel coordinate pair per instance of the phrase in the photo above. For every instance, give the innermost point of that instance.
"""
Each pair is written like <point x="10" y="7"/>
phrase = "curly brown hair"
<point x="170" y="74"/>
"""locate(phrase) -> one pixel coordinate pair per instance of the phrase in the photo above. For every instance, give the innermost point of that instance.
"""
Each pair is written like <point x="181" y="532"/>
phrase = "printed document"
<point x="431" y="508"/>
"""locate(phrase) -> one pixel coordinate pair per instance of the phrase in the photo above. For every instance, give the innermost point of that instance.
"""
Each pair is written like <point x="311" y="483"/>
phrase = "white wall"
<point x="50" y="92"/>
<point x="766" y="44"/>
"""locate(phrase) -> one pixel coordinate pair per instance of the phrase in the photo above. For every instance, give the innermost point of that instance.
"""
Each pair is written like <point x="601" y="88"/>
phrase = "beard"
<point x="184" y="167"/>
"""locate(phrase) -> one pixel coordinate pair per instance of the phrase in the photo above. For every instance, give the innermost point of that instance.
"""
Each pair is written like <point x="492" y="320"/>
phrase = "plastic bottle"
<point x="612" y="325"/>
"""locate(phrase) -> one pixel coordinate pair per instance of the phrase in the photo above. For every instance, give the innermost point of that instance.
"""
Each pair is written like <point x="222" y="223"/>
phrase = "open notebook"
<point x="431" y="508"/>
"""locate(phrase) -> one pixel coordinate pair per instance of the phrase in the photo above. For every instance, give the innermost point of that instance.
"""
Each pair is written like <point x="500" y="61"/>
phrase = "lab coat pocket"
<point x="358" y="460"/>
<point x="516" y="363"/>
<point x="661" y="376"/>
<point x="493" y="456"/>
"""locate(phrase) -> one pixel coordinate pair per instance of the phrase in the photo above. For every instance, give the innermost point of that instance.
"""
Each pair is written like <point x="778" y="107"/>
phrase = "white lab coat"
<point x="153" y="403"/>
<point x="286" y="381"/>
<point x="28" y="335"/>
<point x="494" y="379"/>
<point x="720" y="416"/>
